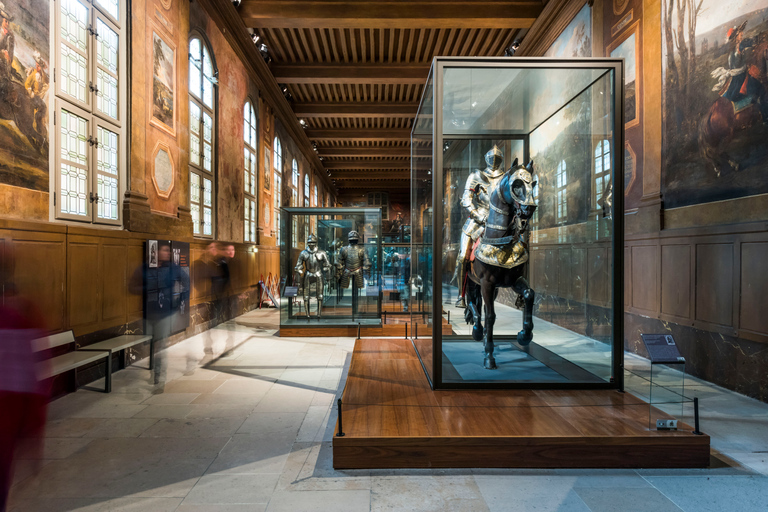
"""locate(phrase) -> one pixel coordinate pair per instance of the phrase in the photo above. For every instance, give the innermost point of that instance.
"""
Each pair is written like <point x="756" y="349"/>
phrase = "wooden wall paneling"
<point x="627" y="278"/>
<point x="754" y="287"/>
<point x="645" y="278"/>
<point x="84" y="284"/>
<point x="566" y="273"/>
<point x="113" y="276"/>
<point x="39" y="273"/>
<point x="579" y="276"/>
<point x="676" y="280"/>
<point x="714" y="283"/>
<point x="599" y="278"/>
<point x="135" y="263"/>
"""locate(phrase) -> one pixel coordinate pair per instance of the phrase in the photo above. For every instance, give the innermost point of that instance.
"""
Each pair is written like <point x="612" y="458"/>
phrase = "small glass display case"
<point x="330" y="267"/>
<point x="513" y="237"/>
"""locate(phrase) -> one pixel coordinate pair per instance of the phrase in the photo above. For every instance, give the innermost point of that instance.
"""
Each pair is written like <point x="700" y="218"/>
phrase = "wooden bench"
<point x="85" y="355"/>
<point x="120" y="343"/>
<point x="71" y="360"/>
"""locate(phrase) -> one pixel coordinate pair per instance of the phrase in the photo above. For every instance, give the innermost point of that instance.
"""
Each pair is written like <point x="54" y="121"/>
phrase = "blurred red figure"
<point x="23" y="394"/>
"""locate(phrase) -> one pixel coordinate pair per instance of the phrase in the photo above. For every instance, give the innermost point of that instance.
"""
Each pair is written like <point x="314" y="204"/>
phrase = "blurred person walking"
<point x="159" y="307"/>
<point x="23" y="393"/>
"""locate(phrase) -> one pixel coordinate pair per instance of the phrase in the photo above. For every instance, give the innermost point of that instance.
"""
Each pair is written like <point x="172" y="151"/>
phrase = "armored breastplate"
<point x="484" y="190"/>
<point x="353" y="257"/>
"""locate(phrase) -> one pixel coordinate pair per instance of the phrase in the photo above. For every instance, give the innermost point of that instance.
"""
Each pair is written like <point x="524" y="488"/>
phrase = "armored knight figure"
<point x="351" y="263"/>
<point x="312" y="265"/>
<point x="476" y="200"/>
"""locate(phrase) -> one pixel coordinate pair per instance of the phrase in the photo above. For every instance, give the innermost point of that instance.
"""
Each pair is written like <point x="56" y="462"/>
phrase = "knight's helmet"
<point x="522" y="186"/>
<point x="311" y="241"/>
<point x="495" y="162"/>
<point x="353" y="235"/>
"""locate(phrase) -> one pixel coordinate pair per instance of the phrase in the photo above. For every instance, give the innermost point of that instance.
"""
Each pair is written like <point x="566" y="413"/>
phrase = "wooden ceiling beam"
<point x="370" y="175"/>
<point x="359" y="134"/>
<point x="372" y="152"/>
<point x="369" y="164"/>
<point x="394" y="14"/>
<point x="325" y="73"/>
<point x="356" y="110"/>
<point x="390" y="185"/>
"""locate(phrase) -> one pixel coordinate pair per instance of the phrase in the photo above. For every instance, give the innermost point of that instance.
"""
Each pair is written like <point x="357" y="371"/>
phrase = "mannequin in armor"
<point x="476" y="200"/>
<point x="350" y="266"/>
<point x="312" y="265"/>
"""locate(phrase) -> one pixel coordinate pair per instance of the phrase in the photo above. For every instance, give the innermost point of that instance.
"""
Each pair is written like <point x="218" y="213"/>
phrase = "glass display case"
<point x="514" y="164"/>
<point x="330" y="267"/>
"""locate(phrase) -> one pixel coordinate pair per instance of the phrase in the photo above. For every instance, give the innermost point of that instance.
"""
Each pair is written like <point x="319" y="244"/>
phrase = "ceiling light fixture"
<point x="510" y="51"/>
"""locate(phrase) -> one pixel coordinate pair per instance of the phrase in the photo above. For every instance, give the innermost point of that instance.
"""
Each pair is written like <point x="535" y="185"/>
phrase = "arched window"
<point x="250" y="172"/>
<point x="306" y="189"/>
<point x="277" y="166"/>
<point x="602" y="169"/>
<point x="314" y="195"/>
<point x="202" y="132"/>
<point x="295" y="175"/>
<point x="562" y="200"/>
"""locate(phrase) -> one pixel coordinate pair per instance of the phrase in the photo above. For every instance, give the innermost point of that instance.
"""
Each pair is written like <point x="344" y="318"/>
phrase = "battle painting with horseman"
<point x="24" y="83"/>
<point x="715" y="90"/>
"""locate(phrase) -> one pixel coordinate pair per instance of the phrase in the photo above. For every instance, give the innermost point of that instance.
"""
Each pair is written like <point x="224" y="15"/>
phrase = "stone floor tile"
<point x="286" y="399"/>
<point x="194" y="427"/>
<point x="71" y="427"/>
<point x="320" y="501"/>
<point x="129" y="504"/>
<point x="222" y="507"/>
<point x="310" y="468"/>
<point x="107" y="410"/>
<point x="166" y="398"/>
<point x="221" y="411"/>
<point x="52" y="447"/>
<point x="425" y="493"/>
<point x="227" y="399"/>
<point x="527" y="493"/>
<point x="192" y="386"/>
<point x="240" y="489"/>
<point x="284" y="424"/>
<point x="122" y="427"/>
<point x="602" y="499"/>
<point x="252" y="387"/>
<point x="164" y="411"/>
<point x="714" y="493"/>
<point x="315" y="421"/>
<point x="151" y="448"/>
<point x="246" y="453"/>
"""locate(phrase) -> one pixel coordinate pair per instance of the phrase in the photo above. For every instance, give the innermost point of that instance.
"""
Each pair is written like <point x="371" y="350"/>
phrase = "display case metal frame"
<point x="436" y="75"/>
<point x="287" y="264"/>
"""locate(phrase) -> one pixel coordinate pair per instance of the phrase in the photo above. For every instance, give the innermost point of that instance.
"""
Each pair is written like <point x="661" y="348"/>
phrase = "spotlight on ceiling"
<point x="510" y="52"/>
<point x="237" y="3"/>
<point x="255" y="38"/>
<point x="303" y="123"/>
<point x="264" y="51"/>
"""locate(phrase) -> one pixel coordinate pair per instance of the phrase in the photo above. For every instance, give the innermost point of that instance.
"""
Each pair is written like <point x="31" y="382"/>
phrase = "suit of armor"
<point x="352" y="261"/>
<point x="311" y="266"/>
<point x="476" y="199"/>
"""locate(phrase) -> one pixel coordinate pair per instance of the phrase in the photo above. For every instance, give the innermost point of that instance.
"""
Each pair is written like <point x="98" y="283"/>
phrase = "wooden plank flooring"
<point x="392" y="419"/>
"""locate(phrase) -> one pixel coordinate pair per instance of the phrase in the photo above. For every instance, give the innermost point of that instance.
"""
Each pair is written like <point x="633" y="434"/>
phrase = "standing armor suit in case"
<point x="312" y="265"/>
<point x="352" y="262"/>
<point x="476" y="200"/>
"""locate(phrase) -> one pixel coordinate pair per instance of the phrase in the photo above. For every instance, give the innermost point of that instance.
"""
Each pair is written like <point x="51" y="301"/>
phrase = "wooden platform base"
<point x="392" y="419"/>
<point x="395" y="326"/>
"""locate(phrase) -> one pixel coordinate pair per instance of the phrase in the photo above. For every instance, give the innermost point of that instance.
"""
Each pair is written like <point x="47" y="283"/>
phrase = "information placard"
<point x="662" y="348"/>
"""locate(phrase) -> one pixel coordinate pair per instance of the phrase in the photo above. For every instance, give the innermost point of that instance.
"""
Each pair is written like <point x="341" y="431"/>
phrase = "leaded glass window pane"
<point x="106" y="74"/>
<point x="208" y="79"/>
<point x="207" y="142"/>
<point x="194" y="188"/>
<point x="195" y="63"/>
<point x="111" y="7"/>
<point x="74" y="24"/>
<point x="74" y="164"/>
<point x="194" y="133"/>
<point x="195" y="210"/>
<point x="74" y="73"/>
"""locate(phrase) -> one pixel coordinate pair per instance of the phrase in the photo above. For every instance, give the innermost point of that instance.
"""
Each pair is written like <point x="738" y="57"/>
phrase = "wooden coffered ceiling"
<point x="355" y="70"/>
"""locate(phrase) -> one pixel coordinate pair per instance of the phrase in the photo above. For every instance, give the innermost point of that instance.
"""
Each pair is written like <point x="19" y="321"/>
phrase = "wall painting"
<point x="163" y="84"/>
<point x="24" y="83"/>
<point x="715" y="101"/>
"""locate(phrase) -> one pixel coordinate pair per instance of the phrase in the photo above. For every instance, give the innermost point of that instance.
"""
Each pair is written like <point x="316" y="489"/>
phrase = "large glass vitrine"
<point x="567" y="117"/>
<point x="347" y="273"/>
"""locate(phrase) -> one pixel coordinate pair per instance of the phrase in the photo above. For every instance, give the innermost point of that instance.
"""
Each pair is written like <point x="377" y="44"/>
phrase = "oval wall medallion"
<point x="162" y="170"/>
<point x="167" y="4"/>
<point x="618" y="6"/>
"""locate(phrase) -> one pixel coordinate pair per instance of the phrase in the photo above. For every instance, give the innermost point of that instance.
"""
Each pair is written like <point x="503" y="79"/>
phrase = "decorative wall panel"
<point x="676" y="280"/>
<point x="714" y="283"/>
<point x="645" y="278"/>
<point x="754" y="287"/>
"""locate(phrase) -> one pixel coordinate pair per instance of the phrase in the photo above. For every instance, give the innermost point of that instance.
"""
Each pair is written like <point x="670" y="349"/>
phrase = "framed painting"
<point x="162" y="104"/>
<point x="627" y="47"/>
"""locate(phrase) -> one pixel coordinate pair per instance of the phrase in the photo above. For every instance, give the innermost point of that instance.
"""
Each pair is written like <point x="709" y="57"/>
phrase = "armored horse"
<point x="499" y="257"/>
